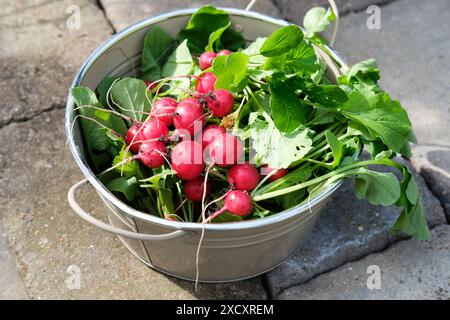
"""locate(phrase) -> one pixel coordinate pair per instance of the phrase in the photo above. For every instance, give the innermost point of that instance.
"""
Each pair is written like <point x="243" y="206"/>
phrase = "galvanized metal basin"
<point x="229" y="252"/>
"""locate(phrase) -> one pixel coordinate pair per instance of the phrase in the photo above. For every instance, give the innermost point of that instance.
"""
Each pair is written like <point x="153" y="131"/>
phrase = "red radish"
<point x="236" y="202"/>
<point x="151" y="85"/>
<point x="151" y="154"/>
<point x="244" y="176"/>
<point x="210" y="133"/>
<point x="205" y="83"/>
<point x="225" y="150"/>
<point x="164" y="110"/>
<point x="206" y="59"/>
<point x="187" y="160"/>
<point x="180" y="135"/>
<point x="189" y="116"/>
<point x="279" y="173"/>
<point x="220" y="102"/>
<point x="193" y="190"/>
<point x="153" y="129"/>
<point x="224" y="52"/>
<point x="190" y="100"/>
<point x="131" y="137"/>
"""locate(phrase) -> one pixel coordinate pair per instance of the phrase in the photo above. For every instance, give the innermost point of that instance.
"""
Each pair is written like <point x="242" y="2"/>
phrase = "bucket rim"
<point x="188" y="226"/>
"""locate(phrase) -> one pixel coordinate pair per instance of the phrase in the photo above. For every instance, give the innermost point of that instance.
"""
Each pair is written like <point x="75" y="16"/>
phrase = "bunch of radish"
<point x="163" y="135"/>
<point x="177" y="133"/>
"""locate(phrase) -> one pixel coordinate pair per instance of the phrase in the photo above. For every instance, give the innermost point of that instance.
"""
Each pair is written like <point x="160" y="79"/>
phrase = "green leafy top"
<point x="377" y="116"/>
<point x="208" y="27"/>
<point x="287" y="110"/>
<point x="89" y="108"/>
<point x="317" y="20"/>
<point x="231" y="71"/>
<point x="273" y="147"/>
<point x="180" y="63"/>
<point x="288" y="51"/>
<point x="281" y="41"/>
<point x="157" y="47"/>
<point x="130" y="97"/>
<point x="365" y="72"/>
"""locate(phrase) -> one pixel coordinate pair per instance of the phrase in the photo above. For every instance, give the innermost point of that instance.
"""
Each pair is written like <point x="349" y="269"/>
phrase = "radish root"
<point x="197" y="258"/>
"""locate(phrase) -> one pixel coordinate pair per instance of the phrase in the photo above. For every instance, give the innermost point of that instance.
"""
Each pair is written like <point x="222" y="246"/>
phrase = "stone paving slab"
<point x="295" y="10"/>
<point x="408" y="270"/>
<point x="124" y="13"/>
<point x="36" y="170"/>
<point x="39" y="54"/>
<point x="11" y="283"/>
<point x="347" y="230"/>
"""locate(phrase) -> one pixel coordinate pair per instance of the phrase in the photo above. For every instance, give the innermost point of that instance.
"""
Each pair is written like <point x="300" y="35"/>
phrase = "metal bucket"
<point x="231" y="251"/>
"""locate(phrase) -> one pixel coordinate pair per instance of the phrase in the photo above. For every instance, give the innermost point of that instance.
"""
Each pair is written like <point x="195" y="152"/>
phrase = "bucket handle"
<point x="109" y="228"/>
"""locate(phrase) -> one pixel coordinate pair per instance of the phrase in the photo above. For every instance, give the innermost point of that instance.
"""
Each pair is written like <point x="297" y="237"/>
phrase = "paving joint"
<point x="34" y="115"/>
<point x="266" y="287"/>
<point x="437" y="195"/>
<point x="99" y="4"/>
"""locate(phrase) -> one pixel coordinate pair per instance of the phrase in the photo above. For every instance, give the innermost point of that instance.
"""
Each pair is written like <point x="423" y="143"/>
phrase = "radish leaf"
<point x="127" y="186"/>
<point x="231" y="71"/>
<point x="180" y="63"/>
<point x="131" y="97"/>
<point x="125" y="165"/>
<point x="317" y="20"/>
<point x="94" y="134"/>
<point x="378" y="116"/>
<point x="157" y="47"/>
<point x="204" y="22"/>
<point x="274" y="147"/>
<point x="281" y="41"/>
<point x="215" y="36"/>
<point x="287" y="110"/>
